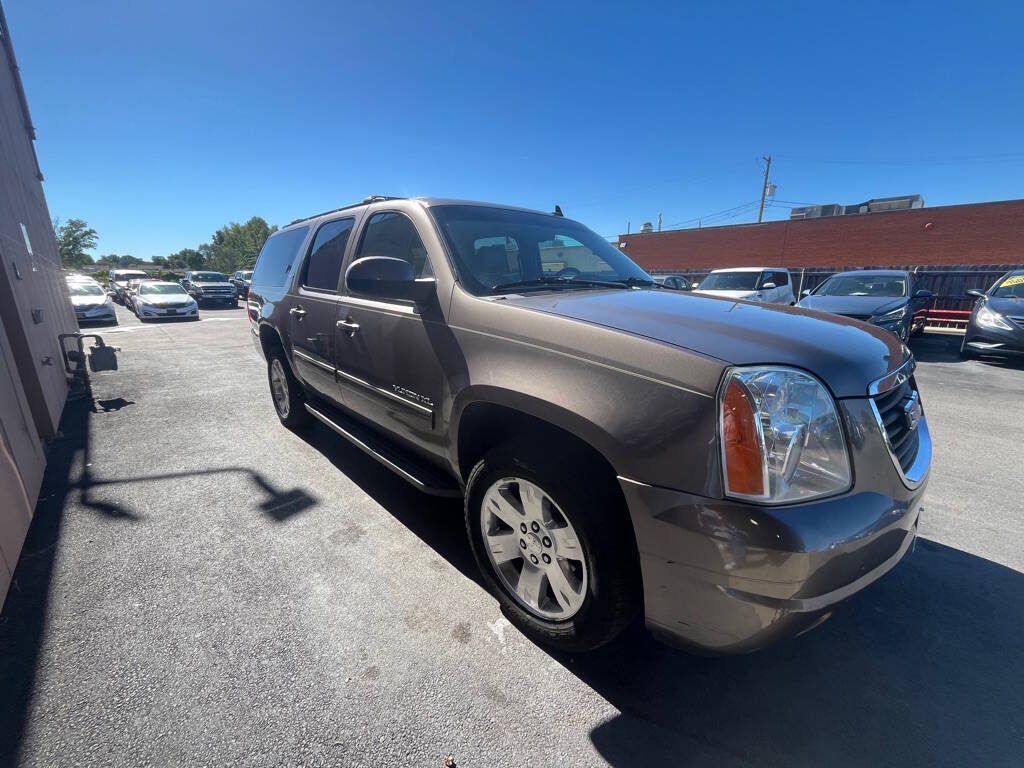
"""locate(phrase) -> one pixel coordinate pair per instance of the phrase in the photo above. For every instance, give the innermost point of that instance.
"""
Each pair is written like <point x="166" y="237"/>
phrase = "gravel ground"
<point x="201" y="586"/>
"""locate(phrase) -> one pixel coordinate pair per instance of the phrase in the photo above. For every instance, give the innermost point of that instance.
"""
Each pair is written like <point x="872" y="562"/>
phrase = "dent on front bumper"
<point x="728" y="577"/>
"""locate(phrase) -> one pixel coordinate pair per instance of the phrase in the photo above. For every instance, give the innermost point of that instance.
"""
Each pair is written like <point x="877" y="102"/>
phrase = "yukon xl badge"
<point x="408" y="394"/>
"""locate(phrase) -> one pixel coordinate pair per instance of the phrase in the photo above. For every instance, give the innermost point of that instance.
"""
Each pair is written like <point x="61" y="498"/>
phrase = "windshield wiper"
<point x="641" y="281"/>
<point x="556" y="282"/>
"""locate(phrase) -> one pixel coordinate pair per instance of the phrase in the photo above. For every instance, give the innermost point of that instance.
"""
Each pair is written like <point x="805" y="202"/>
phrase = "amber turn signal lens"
<point x="744" y="463"/>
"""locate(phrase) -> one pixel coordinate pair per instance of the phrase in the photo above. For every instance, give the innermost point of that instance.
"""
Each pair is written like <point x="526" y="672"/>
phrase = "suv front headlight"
<point x="781" y="437"/>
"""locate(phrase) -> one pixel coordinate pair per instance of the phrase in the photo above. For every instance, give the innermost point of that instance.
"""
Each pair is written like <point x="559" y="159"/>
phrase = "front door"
<point x="389" y="353"/>
<point x="315" y="307"/>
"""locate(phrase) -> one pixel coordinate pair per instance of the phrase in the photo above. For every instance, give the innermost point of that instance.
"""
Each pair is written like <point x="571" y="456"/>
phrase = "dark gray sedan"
<point x="889" y="299"/>
<point x="996" y="325"/>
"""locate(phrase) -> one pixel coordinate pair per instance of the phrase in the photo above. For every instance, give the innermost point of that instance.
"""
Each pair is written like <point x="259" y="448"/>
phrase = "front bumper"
<point x="722" y="576"/>
<point x="993" y="341"/>
<point x="104" y="312"/>
<point x="150" y="310"/>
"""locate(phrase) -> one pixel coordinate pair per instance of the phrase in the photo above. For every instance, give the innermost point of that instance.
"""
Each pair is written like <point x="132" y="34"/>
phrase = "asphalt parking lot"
<point x="201" y="586"/>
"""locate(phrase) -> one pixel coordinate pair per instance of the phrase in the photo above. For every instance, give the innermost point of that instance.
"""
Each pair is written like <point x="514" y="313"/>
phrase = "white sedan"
<point x="154" y="299"/>
<point x="90" y="301"/>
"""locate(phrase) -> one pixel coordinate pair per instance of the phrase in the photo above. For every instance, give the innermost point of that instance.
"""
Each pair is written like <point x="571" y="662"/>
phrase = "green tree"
<point x="159" y="261"/>
<point x="109" y="260"/>
<point x="236" y="246"/>
<point x="130" y="261"/>
<point x="74" y="238"/>
<point x="186" y="257"/>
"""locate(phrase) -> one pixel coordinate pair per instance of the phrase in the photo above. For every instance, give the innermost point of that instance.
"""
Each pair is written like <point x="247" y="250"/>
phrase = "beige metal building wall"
<point x="34" y="309"/>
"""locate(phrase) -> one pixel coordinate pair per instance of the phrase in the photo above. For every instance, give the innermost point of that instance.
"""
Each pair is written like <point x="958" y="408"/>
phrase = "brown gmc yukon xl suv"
<point x="731" y="469"/>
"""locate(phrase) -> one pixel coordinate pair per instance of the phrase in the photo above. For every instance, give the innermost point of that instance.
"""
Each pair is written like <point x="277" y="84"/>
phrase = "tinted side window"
<point x="277" y="256"/>
<point x="323" y="267"/>
<point x="781" y="279"/>
<point x="392" y="234"/>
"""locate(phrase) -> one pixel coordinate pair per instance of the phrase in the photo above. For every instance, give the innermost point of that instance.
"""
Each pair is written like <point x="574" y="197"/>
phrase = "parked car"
<point x="75" y="277"/>
<point x="210" y="287"/>
<point x="890" y="299"/>
<point x="119" y="281"/>
<point x="132" y="288"/>
<point x="91" y="302"/>
<point x="733" y="469"/>
<point x="770" y="285"/>
<point x="996" y="325"/>
<point x="676" y="282"/>
<point x="241" y="280"/>
<point x="157" y="298"/>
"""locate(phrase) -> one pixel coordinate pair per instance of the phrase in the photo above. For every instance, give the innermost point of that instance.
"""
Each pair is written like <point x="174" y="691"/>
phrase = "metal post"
<point x="764" y="187"/>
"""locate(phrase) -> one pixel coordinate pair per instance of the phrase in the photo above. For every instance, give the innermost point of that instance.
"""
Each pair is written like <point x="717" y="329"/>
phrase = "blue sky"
<point x="159" y="122"/>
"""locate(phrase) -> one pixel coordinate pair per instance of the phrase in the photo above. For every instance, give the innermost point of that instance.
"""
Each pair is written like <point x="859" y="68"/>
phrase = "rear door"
<point x="314" y="305"/>
<point x="783" y="290"/>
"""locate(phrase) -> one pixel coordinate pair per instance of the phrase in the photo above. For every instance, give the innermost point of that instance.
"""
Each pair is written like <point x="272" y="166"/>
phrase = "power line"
<point x="735" y="210"/>
<point x="992" y="157"/>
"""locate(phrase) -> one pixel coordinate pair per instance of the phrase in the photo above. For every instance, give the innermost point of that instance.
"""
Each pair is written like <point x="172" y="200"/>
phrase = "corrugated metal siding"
<point x="34" y="309"/>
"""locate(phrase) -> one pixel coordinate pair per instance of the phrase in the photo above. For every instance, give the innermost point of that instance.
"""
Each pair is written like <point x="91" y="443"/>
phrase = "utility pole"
<point x="659" y="222"/>
<point x="764" y="187"/>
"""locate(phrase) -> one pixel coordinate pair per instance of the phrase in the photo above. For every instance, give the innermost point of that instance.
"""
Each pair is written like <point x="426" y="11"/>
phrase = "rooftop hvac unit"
<point x="646" y="228"/>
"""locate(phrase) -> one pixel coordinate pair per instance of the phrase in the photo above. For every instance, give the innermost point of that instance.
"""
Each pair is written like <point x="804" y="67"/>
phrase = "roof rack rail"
<point x="364" y="201"/>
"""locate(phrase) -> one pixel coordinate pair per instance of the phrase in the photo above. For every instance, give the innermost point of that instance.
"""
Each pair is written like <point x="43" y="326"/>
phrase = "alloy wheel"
<point x="533" y="549"/>
<point x="279" y="388"/>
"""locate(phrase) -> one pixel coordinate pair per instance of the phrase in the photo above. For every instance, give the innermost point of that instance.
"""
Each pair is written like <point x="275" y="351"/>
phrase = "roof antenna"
<point x="558" y="210"/>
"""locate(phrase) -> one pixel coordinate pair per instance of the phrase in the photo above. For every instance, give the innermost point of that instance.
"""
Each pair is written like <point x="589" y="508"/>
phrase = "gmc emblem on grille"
<point x="912" y="412"/>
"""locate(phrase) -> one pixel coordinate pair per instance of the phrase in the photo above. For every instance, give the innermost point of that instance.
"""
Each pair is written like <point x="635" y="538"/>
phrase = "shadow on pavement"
<point x="923" y="668"/>
<point x="437" y="521"/>
<point x="68" y="480"/>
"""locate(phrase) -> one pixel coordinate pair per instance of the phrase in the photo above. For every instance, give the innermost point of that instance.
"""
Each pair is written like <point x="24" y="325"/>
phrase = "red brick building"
<point x="979" y="233"/>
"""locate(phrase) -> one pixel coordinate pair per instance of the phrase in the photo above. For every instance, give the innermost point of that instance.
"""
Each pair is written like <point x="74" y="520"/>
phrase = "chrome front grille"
<point x="902" y="436"/>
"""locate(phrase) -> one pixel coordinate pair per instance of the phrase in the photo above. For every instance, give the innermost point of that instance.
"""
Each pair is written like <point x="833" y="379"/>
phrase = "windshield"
<point x="147" y="288"/>
<point x="85" y="289"/>
<point x="730" y="281"/>
<point x="245" y="275"/>
<point x="498" y="247"/>
<point x="1011" y="286"/>
<point x="888" y="286"/>
<point x="123" y="276"/>
<point x="208" y="277"/>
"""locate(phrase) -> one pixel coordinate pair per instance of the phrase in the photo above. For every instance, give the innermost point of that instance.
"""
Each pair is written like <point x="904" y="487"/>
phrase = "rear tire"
<point x="285" y="391"/>
<point x="579" y="525"/>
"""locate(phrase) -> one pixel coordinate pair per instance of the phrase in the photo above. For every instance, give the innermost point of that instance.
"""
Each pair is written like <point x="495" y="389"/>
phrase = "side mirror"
<point x="384" y="277"/>
<point x="694" y="286"/>
<point x="922" y="293"/>
<point x="976" y="293"/>
<point x="805" y="292"/>
<point x="767" y="286"/>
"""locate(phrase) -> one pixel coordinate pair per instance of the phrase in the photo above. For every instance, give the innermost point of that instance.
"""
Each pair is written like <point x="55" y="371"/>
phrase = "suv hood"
<point x="854" y="305"/>
<point x="728" y="294"/>
<point x="844" y="353"/>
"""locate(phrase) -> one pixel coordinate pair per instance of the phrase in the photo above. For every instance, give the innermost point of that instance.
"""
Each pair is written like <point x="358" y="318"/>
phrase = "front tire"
<point x="555" y="545"/>
<point x="285" y="391"/>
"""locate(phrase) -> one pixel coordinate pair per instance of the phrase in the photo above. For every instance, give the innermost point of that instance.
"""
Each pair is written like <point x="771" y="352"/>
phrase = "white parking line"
<point x="133" y="328"/>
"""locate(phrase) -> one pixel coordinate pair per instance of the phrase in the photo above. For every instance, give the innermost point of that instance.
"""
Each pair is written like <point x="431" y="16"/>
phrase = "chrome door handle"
<point x="348" y="325"/>
<point x="297" y="311"/>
